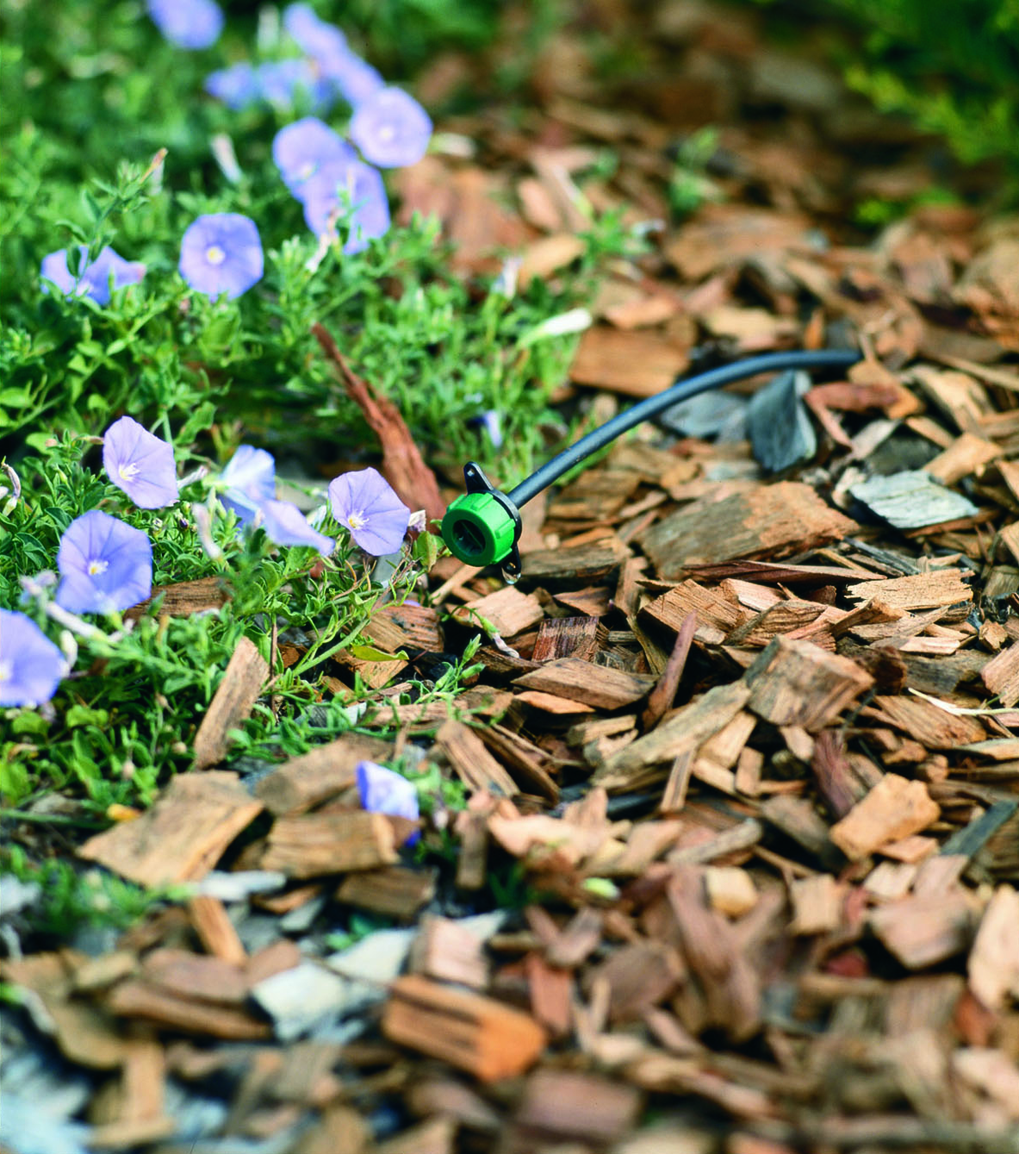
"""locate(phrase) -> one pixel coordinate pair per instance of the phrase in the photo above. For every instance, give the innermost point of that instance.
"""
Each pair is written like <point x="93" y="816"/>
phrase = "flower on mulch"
<point x="93" y="279"/>
<point x="364" y="503"/>
<point x="105" y="565"/>
<point x="31" y="666"/>
<point x="285" y="524"/>
<point x="140" y="463"/>
<point x="303" y="149"/>
<point x="385" y="791"/>
<point x="250" y="476"/>
<point x="390" y="128"/>
<point x="187" y="23"/>
<point x="221" y="253"/>
<point x="237" y="86"/>
<point x="356" y="185"/>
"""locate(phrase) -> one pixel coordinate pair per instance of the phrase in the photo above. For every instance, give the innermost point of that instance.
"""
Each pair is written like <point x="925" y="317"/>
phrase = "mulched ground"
<point x="758" y="742"/>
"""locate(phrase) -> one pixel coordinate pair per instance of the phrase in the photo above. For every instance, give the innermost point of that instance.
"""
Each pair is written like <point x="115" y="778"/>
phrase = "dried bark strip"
<point x="231" y="705"/>
<point x="402" y="464"/>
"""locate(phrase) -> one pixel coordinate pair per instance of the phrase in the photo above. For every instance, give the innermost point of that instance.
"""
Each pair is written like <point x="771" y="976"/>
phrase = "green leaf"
<point x="370" y="653"/>
<point x="83" y="715"/>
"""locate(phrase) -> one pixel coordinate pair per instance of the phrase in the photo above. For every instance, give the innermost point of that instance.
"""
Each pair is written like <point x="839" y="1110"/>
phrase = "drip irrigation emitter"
<point x="482" y="526"/>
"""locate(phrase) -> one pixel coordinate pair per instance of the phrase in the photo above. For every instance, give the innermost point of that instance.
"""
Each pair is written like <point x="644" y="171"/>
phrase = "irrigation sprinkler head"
<point x="483" y="526"/>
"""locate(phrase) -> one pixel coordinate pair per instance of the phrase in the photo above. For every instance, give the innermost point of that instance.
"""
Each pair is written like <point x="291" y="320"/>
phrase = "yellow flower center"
<point x="127" y="472"/>
<point x="6" y="670"/>
<point x="357" y="520"/>
<point x="214" y="254"/>
<point x="97" y="567"/>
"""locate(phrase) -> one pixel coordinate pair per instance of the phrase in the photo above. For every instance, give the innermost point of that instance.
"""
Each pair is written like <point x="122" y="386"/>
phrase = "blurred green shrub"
<point x="952" y="66"/>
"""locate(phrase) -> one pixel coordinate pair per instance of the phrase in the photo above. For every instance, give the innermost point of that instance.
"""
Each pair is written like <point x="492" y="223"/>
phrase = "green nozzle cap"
<point x="479" y="529"/>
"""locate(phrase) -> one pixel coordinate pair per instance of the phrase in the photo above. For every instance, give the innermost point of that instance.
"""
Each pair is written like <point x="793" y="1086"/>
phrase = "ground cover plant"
<point x="703" y="833"/>
<point x="206" y="331"/>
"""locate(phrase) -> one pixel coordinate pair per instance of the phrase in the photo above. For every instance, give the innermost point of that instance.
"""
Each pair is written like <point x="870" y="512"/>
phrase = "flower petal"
<point x="390" y="128"/>
<point x="221" y="253"/>
<point x="285" y="524"/>
<point x="140" y="463"/>
<point x="105" y="564"/>
<point x="384" y="791"/>
<point x="31" y="666"/>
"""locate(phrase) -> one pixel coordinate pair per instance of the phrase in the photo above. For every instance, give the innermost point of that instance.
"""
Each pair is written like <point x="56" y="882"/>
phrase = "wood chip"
<point x="993" y="963"/>
<point x="402" y="464"/>
<point x="895" y="808"/>
<point x="763" y="522"/>
<point x="506" y="612"/>
<point x="317" y="844"/>
<point x="689" y="728"/>
<point x="817" y="905"/>
<point x="231" y="705"/>
<point x="393" y="891"/>
<point x="474" y="1033"/>
<point x="140" y="1001"/>
<point x="921" y="591"/>
<point x="449" y="952"/>
<point x="574" y="1105"/>
<point x="472" y="762"/>
<point x="182" y="836"/>
<point x="922" y="931"/>
<point x="797" y="683"/>
<point x="635" y="363"/>
<point x="304" y="782"/>
<point x="595" y="685"/>
<point x="1001" y="675"/>
<point x="566" y="637"/>
<point x="215" y="930"/>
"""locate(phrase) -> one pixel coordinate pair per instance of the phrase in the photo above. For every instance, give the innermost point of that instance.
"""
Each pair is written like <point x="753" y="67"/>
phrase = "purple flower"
<point x="281" y="81"/>
<point x="391" y="129"/>
<point x="140" y="464"/>
<point x="365" y="504"/>
<point x="31" y="666"/>
<point x="491" y="421"/>
<point x="237" y="86"/>
<point x="285" y="524"/>
<point x="357" y="186"/>
<point x="305" y="148"/>
<point x="187" y="23"/>
<point x="251" y="478"/>
<point x="355" y="78"/>
<point x="105" y="565"/>
<point x="385" y="791"/>
<point x="313" y="36"/>
<point x="93" y="279"/>
<point x="221" y="253"/>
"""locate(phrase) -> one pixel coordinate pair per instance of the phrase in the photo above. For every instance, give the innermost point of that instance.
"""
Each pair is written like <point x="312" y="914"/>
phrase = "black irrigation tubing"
<point x="552" y="470"/>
